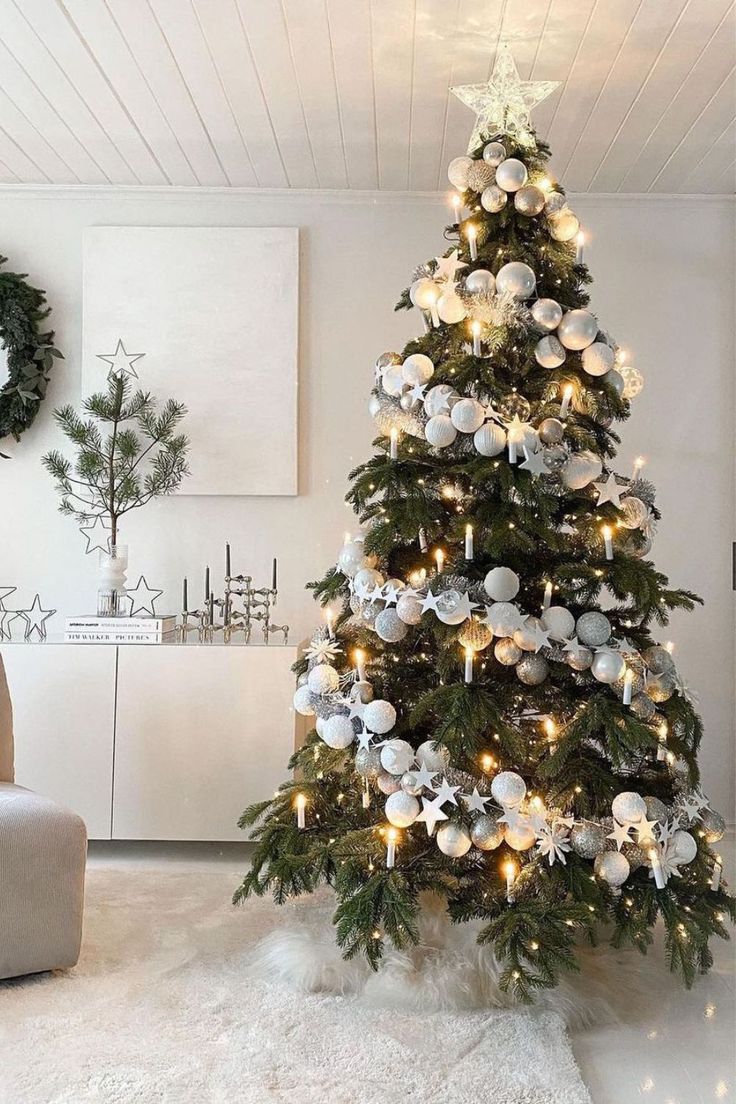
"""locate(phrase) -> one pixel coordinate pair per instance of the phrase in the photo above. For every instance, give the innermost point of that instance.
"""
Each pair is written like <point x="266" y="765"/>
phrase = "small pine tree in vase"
<point x="128" y="452"/>
<point x="494" y="718"/>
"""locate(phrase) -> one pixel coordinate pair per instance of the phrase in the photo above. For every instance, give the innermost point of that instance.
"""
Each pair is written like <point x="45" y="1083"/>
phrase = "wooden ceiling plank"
<point x="432" y="72"/>
<point x="564" y="31"/>
<point x="308" y="30"/>
<point x="392" y="23"/>
<point x="22" y="166"/>
<point x="660" y="83"/>
<point x="710" y="172"/>
<point x="57" y="31"/>
<point x="350" y="34"/>
<point x="231" y="56"/>
<point x="7" y="176"/>
<point x="27" y="137"/>
<point x="523" y="27"/>
<point x="639" y="50"/>
<point x="694" y="144"/>
<point x="96" y="26"/>
<point x="184" y="36"/>
<point x="137" y="23"/>
<point x="701" y="83"/>
<point x="265" y="29"/>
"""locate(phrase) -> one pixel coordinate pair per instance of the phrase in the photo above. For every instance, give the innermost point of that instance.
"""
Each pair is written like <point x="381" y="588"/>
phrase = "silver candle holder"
<point x="238" y="610"/>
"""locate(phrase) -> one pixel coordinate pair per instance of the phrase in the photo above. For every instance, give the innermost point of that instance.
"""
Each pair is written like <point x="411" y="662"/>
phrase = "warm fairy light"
<point x="546" y="184"/>
<point x="487" y="762"/>
<point x="638" y="465"/>
<point x="567" y="393"/>
<point x="510" y="869"/>
<point x="392" y="839"/>
<point x="472" y="236"/>
<point x="359" y="659"/>
<point x="469" y="657"/>
<point x="550" y="728"/>
<point x="417" y="578"/>
<point x="439" y="560"/>
<point x="607" y="534"/>
<point x="670" y="646"/>
<point x="475" y="328"/>
<point x="300" y="803"/>
<point x="456" y="203"/>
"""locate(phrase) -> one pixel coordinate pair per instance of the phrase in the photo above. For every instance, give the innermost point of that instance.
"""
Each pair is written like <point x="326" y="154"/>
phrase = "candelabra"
<point x="240" y="606"/>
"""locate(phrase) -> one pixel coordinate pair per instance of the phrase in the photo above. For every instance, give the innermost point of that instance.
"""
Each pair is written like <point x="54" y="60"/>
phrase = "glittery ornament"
<point x="555" y="457"/>
<point x="635" y="856"/>
<point x="588" y="839"/>
<point x="493" y="199"/>
<point x="323" y="679"/>
<point x="628" y="807"/>
<point x="612" y="867"/>
<point x="401" y="809"/>
<point x="660" y="688"/>
<point x="508" y="788"/>
<point x="388" y="783"/>
<point x="486" y="833"/>
<point x="514" y="405"/>
<point x="551" y="431"/>
<point x="390" y="626"/>
<point x="593" y="628"/>
<point x="338" y="732"/>
<point x="658" y="660"/>
<point x="457" y="172"/>
<point x="713" y="824"/>
<point x="642" y="707"/>
<point x="633" y="381"/>
<point x="529" y="200"/>
<point x="303" y="701"/>
<point x="480" y="175"/>
<point x="368" y="762"/>
<point x="656" y="809"/>
<point x="379" y="716"/>
<point x="554" y="203"/>
<point x="532" y="669"/>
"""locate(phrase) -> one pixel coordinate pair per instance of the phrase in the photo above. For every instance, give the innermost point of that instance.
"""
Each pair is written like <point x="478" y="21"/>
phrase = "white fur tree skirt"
<point x="170" y="1003"/>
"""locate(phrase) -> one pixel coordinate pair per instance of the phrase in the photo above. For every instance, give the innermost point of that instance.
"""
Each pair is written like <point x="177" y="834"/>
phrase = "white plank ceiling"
<point x="353" y="94"/>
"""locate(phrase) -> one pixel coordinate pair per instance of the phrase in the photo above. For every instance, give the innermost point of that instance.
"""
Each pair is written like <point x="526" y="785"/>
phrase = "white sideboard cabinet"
<point x="153" y="742"/>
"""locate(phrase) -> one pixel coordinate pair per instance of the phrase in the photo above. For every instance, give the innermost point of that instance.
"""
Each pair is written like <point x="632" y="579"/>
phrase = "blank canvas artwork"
<point x="215" y="311"/>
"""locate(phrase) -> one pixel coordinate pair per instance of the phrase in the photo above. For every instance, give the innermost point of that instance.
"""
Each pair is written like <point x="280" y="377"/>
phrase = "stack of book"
<point x="119" y="630"/>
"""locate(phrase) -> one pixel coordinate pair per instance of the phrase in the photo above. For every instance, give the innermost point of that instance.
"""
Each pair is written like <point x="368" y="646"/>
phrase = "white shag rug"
<point x="175" y="1000"/>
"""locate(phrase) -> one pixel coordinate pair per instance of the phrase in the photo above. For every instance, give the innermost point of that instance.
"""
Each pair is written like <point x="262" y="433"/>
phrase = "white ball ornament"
<point x="389" y="626"/>
<point x="494" y="153"/>
<point x="581" y="469"/>
<point x="493" y="199"/>
<point x="501" y="584"/>
<point x="409" y="609"/>
<point x="503" y="618"/>
<point x="628" y="807"/>
<point x="524" y="637"/>
<point x="410" y="784"/>
<point x="559" y="622"/>
<point x="397" y="756"/>
<point x="686" y="849"/>
<point x="450" y="307"/>
<point x="438" y="399"/>
<point x="379" y="716"/>
<point x="508" y="788"/>
<point x="577" y="329"/>
<point x="521" y="838"/>
<point x="516" y="279"/>
<point x="388" y="783"/>
<point x="554" y="203"/>
<point x="393" y="380"/>
<point x="434" y="756"/>
<point x="449" y="610"/>
<point x="417" y="368"/>
<point x="467" y="415"/>
<point x="351" y="557"/>
<point x="401" y="809"/>
<point x="338" y="732"/>
<point x="453" y="840"/>
<point x="547" y="313"/>
<point x="423" y="293"/>
<point x="490" y="439"/>
<point x="593" y="628"/>
<point x="480" y="281"/>
<point x="549" y="353"/>
<point x="323" y="679"/>
<point x="608" y="667"/>
<point x="612" y="867"/>
<point x="439" y="431"/>
<point x="367" y="578"/>
<point x="511" y="174"/>
<point x="457" y="172"/>
<point x="564" y="225"/>
<point x="303" y="701"/>
<point x="598" y="358"/>
<point x="529" y="200"/>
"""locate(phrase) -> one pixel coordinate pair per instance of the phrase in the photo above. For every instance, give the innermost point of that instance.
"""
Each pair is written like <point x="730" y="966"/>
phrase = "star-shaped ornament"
<point x="96" y="532"/>
<point x="431" y="813"/>
<point x="534" y="462"/>
<point x="424" y="777"/>
<point x="540" y="635"/>
<point x="693" y="805"/>
<point x="121" y="362"/>
<point x="667" y="830"/>
<point x="621" y="834"/>
<point x="475" y="802"/>
<point x="391" y="593"/>
<point x="446" y="792"/>
<point x="417" y="392"/>
<point x="429" y="602"/>
<point x="35" y="619"/>
<point x="645" y="831"/>
<point x="142" y="599"/>
<point x="5" y="592"/>
<point x="609" y="491"/>
<point x="364" y="738"/>
<point x="504" y="103"/>
<point x="356" y="708"/>
<point x="512" y="816"/>
<point x="375" y="595"/>
<point x="465" y="606"/>
<point x="447" y="267"/>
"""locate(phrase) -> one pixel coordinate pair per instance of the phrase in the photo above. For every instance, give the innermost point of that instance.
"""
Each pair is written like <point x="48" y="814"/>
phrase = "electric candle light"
<point x="547" y="602"/>
<point x="662" y="736"/>
<point x="469" y="656"/>
<point x="422" y="541"/>
<point x="638" y="465"/>
<point x="715" y="880"/>
<point x="475" y="330"/>
<point x="566" y="397"/>
<point x="330" y="619"/>
<point x="550" y="729"/>
<point x="433" y="310"/>
<point x="300" y="802"/>
<point x="457" y="204"/>
<point x="366" y="800"/>
<point x="440" y="560"/>
<point x="510" y="870"/>
<point x="468" y="542"/>
<point x="472" y="236"/>
<point x="628" y="684"/>
<point x="579" y="244"/>
<point x="657" y="868"/>
<point x="607" y="532"/>
<point x="394" y="449"/>
<point x="392" y="837"/>
<point x="359" y="656"/>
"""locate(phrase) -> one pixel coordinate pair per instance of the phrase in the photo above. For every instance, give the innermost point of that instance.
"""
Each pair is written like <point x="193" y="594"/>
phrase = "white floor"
<point x="670" y="1046"/>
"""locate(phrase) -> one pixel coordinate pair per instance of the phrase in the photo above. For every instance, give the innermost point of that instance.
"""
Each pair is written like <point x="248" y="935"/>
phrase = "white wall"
<point x="664" y="286"/>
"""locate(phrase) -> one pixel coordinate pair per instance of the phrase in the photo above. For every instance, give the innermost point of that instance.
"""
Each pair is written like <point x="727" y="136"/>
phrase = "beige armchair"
<point x="43" y="849"/>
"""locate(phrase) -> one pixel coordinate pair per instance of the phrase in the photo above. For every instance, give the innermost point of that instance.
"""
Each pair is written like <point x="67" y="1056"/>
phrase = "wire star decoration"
<point x="504" y="103"/>
<point x="121" y="361"/>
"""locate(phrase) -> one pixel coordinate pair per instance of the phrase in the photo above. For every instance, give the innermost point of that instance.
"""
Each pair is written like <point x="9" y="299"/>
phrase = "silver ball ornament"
<point x="532" y="669"/>
<point x="635" y="856"/>
<point x="713" y="825"/>
<point x="434" y="756"/>
<point x="385" y="359"/>
<point x="486" y="833"/>
<point x="549" y="353"/>
<point x="449" y="610"/>
<point x="397" y="756"/>
<point x="660" y="688"/>
<point x="547" y="314"/>
<point x="494" y="153"/>
<point x="480" y="282"/>
<point x="615" y="380"/>
<point x="658" y="660"/>
<point x="516" y="279"/>
<point x="453" y="840"/>
<point x="598" y="358"/>
<point x="490" y="439"/>
<point x="389" y="626"/>
<point x="368" y="762"/>
<point x="503" y="618"/>
<point x="555" y="457"/>
<point x="401" y="809"/>
<point x="337" y="731"/>
<point x="361" y="691"/>
<point x="607" y="667"/>
<point x="559" y="622"/>
<point x="369" y="612"/>
<point x="529" y="200"/>
<point x="508" y="788"/>
<point x="581" y="469"/>
<point x="633" y="513"/>
<point x="656" y="809"/>
<point x="588" y="839"/>
<point x="643" y="707"/>
<point x="379" y="716"/>
<point x="628" y="807"/>
<point x="551" y="431"/>
<point x="554" y="203"/>
<point x="366" y="579"/>
<point x="410" y="785"/>
<point x="577" y="329"/>
<point x="511" y="174"/>
<point x="579" y="658"/>
<point x="563" y="225"/>
<point x="457" y="172"/>
<point x="593" y="628"/>
<point x="501" y="584"/>
<point x="388" y="783"/>
<point x="409" y="609"/>
<point x="612" y="867"/>
<point x="439" y="431"/>
<point x="493" y="199"/>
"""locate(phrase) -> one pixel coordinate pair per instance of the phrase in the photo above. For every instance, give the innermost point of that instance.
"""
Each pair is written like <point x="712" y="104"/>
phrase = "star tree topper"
<point x="503" y="104"/>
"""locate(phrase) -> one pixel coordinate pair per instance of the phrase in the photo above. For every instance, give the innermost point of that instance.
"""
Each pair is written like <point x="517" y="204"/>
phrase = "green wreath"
<point x="30" y="352"/>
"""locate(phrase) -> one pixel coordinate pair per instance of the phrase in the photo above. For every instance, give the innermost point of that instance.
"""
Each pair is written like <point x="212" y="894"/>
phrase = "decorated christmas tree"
<point x="495" y="720"/>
